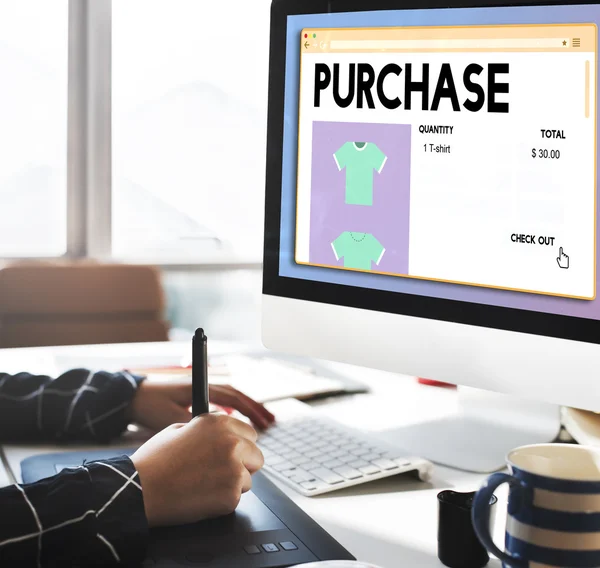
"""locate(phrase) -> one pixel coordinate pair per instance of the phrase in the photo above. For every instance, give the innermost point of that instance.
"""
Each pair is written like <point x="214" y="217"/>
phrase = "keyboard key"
<point x="347" y="458"/>
<point x="321" y="458"/>
<point x="306" y="475"/>
<point x="320" y="444"/>
<point x="270" y="547"/>
<point x="313" y="453"/>
<point x="291" y="454"/>
<point x="385" y="464"/>
<point x="348" y="472"/>
<point x="327" y="475"/>
<point x="274" y="460"/>
<point x="369" y="457"/>
<point x="359" y="452"/>
<point x="338" y="454"/>
<point x="289" y="545"/>
<point x="358" y="463"/>
<point x="401" y="461"/>
<point x="350" y="447"/>
<point x="285" y="433"/>
<point x="369" y="469"/>
<point x="299" y="478"/>
<point x="306" y="437"/>
<point x="332" y="463"/>
<point x="300" y="460"/>
<point x="309" y="485"/>
<point x="311" y="465"/>
<point x="283" y="466"/>
<point x="310" y="437"/>
<point x="252" y="549"/>
<point x="289" y="472"/>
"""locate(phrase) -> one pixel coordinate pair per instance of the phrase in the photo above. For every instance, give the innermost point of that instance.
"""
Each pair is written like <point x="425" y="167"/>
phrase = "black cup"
<point x="458" y="545"/>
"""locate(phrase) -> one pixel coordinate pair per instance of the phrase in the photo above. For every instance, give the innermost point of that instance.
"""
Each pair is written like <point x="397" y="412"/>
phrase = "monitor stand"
<point x="479" y="437"/>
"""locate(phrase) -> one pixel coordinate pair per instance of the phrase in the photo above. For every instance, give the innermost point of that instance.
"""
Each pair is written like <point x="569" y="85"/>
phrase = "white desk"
<point x="4" y="478"/>
<point x="392" y="522"/>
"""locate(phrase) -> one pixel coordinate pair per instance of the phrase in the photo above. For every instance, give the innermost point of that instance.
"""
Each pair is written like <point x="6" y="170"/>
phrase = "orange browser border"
<point x="437" y="32"/>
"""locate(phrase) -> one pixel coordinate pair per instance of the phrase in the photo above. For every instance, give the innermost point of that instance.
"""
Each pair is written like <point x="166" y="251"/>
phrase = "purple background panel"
<point x="518" y="15"/>
<point x="387" y="219"/>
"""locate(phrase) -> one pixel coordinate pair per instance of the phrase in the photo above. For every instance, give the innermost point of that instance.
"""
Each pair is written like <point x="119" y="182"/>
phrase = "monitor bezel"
<point x="467" y="313"/>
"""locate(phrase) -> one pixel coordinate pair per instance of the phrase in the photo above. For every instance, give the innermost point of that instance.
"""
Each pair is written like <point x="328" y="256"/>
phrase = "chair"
<point x="69" y="303"/>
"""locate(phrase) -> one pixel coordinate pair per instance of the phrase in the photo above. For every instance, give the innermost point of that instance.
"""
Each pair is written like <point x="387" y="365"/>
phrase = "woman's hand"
<point x="228" y="397"/>
<point x="158" y="404"/>
<point x="198" y="470"/>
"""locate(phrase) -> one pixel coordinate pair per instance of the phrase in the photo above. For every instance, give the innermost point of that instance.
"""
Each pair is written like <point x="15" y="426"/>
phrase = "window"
<point x="189" y="102"/>
<point x="166" y="123"/>
<point x="33" y="131"/>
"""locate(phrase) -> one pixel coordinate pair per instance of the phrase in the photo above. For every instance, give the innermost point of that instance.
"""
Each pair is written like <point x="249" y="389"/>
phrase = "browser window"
<point x="459" y="154"/>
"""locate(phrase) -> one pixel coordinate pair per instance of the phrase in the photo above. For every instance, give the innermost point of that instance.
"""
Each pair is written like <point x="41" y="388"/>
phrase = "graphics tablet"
<point x="266" y="530"/>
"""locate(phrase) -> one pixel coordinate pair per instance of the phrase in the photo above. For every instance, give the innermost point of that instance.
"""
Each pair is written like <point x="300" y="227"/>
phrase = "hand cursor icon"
<point x="563" y="259"/>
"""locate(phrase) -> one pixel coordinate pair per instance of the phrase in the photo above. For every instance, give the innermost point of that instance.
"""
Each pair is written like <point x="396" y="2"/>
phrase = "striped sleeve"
<point x="79" y="405"/>
<point x="89" y="516"/>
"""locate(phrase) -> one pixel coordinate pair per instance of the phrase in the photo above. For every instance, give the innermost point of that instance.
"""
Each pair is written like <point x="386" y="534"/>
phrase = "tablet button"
<point x="288" y="545"/>
<point x="252" y="549"/>
<point x="270" y="547"/>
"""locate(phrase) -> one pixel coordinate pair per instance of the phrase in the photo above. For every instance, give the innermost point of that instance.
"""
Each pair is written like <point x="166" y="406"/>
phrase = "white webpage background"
<point x="465" y="205"/>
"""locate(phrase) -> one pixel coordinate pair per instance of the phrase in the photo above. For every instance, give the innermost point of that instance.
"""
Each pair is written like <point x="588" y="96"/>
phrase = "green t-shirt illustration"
<point x="359" y="159"/>
<point x="358" y="250"/>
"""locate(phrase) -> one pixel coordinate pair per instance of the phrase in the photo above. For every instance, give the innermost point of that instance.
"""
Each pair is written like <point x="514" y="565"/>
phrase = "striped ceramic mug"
<point x="553" y="507"/>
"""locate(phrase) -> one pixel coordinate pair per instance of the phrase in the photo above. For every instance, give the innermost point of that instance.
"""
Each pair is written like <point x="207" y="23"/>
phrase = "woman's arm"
<point x="89" y="516"/>
<point x="78" y="405"/>
<point x="95" y="515"/>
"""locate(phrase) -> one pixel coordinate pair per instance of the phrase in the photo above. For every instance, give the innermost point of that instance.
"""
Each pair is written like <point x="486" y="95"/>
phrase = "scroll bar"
<point x="587" y="89"/>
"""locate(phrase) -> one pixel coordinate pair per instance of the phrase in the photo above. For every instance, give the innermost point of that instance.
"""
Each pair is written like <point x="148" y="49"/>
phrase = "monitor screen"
<point x="444" y="153"/>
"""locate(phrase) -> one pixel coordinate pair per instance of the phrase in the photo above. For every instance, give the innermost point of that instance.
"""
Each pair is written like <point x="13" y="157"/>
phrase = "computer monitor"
<point x="431" y="197"/>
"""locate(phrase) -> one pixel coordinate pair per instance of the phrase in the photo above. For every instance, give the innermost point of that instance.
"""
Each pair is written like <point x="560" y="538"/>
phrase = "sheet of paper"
<point x="260" y="378"/>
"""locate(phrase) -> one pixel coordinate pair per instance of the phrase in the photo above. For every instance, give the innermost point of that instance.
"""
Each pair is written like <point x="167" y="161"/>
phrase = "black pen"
<point x="199" y="373"/>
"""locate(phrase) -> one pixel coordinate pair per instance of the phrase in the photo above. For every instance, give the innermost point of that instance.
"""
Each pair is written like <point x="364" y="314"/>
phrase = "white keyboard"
<point x="315" y="455"/>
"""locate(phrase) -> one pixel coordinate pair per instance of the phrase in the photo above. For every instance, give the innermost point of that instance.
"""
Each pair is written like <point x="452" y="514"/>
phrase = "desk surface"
<point x="391" y="522"/>
<point x="4" y="478"/>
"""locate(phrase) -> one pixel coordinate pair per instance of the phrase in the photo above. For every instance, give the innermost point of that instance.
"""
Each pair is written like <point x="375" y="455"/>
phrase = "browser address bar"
<point x="494" y="43"/>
